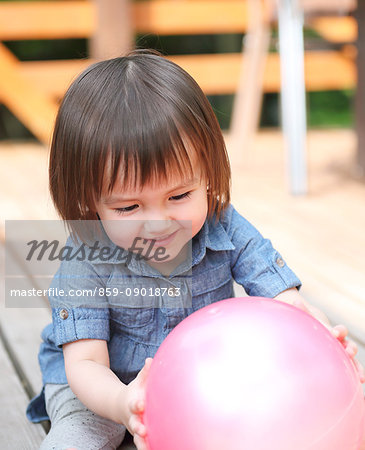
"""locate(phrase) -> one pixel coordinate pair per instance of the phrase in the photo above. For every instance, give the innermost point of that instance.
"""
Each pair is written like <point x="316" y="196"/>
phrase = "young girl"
<point x="137" y="148"/>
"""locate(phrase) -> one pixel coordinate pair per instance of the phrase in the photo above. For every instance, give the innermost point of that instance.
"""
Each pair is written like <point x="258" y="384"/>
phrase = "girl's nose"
<point x="157" y="227"/>
<point x="157" y="221"/>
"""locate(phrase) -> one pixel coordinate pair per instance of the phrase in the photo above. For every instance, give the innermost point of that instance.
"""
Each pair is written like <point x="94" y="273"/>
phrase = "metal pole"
<point x="293" y="105"/>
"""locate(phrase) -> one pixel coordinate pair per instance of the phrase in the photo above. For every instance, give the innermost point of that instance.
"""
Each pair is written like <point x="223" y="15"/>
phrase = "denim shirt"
<point x="223" y="251"/>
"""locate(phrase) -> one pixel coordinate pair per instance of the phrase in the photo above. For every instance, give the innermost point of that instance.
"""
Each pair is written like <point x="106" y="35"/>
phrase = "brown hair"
<point x="140" y="112"/>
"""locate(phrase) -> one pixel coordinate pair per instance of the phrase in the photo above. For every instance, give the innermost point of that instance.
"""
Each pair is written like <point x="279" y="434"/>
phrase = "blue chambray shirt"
<point x="223" y="251"/>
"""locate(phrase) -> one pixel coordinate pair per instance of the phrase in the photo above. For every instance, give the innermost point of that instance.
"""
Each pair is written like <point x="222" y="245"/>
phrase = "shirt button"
<point x="280" y="262"/>
<point x="63" y="314"/>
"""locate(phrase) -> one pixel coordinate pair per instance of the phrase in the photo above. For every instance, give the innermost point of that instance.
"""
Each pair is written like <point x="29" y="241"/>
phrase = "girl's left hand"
<point x="135" y="407"/>
<point x="340" y="332"/>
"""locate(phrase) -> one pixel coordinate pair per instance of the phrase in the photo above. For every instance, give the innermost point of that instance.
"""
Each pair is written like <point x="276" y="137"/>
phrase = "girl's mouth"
<point x="163" y="240"/>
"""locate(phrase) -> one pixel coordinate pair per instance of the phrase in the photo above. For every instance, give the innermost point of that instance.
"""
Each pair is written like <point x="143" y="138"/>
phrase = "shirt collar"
<point x="212" y="236"/>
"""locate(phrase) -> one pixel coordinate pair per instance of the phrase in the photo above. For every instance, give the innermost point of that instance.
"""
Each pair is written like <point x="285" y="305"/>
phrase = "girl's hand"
<point x="339" y="332"/>
<point x="135" y="405"/>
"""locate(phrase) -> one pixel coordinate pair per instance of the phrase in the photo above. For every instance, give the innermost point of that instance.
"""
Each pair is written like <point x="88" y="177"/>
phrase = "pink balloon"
<point x="254" y="374"/>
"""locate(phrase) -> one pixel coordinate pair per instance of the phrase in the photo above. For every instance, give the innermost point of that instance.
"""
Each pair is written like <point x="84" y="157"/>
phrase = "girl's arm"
<point x="99" y="389"/>
<point x="292" y="297"/>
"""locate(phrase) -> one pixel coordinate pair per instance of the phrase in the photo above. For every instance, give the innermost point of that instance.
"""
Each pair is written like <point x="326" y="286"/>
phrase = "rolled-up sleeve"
<point x="255" y="264"/>
<point x="73" y="324"/>
<point x="80" y="308"/>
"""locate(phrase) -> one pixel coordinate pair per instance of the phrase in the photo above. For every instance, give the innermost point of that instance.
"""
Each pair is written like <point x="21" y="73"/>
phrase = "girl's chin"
<point x="171" y="258"/>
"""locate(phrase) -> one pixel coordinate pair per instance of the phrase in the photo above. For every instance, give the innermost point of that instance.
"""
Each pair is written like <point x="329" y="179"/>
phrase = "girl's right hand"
<point x="135" y="405"/>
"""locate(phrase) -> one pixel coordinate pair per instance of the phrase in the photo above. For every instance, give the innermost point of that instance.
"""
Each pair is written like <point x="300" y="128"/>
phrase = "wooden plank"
<point x="336" y="6"/>
<point x="35" y="109"/>
<point x="216" y="73"/>
<point x="21" y="328"/>
<point x="166" y="17"/>
<point x="329" y="70"/>
<point x="53" y="77"/>
<point x="62" y="19"/>
<point x="18" y="193"/>
<point x="46" y="20"/>
<point x="78" y="19"/>
<point x="18" y="432"/>
<point x="324" y="70"/>
<point x="335" y="29"/>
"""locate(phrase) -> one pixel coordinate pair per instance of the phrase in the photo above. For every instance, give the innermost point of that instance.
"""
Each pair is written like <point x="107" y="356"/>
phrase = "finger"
<point x="350" y="347"/>
<point x="136" y="426"/>
<point x="148" y="362"/>
<point x="136" y="406"/>
<point x="140" y="442"/>
<point x="340" y="332"/>
<point x="146" y="367"/>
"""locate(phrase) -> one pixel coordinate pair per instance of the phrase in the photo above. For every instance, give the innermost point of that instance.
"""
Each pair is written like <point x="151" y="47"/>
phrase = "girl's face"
<point x="158" y="220"/>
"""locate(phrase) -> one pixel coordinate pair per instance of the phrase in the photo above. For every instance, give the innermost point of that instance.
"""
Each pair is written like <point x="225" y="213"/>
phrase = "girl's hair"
<point x="134" y="119"/>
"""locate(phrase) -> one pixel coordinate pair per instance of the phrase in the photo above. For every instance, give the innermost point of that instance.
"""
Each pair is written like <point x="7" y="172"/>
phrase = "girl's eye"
<point x="181" y="196"/>
<point x="126" y="209"/>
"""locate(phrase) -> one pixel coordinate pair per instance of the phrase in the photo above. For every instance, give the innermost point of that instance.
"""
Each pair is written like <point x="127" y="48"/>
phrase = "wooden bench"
<point x="26" y="87"/>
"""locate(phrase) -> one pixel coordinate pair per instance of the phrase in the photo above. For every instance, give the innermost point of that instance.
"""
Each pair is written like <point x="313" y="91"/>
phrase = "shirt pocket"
<point x="133" y="317"/>
<point x="131" y="306"/>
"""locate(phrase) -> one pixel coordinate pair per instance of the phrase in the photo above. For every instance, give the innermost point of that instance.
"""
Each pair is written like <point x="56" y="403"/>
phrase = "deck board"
<point x="18" y="432"/>
<point x="21" y="329"/>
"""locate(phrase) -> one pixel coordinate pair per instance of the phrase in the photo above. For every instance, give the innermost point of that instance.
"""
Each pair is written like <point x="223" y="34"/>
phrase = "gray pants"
<point x="73" y="425"/>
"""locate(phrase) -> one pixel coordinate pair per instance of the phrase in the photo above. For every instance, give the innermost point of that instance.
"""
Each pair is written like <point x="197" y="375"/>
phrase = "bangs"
<point x="151" y="139"/>
<point x="149" y="155"/>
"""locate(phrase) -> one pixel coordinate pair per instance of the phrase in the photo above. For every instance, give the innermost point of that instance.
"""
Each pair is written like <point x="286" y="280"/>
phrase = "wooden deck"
<point x="320" y="235"/>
